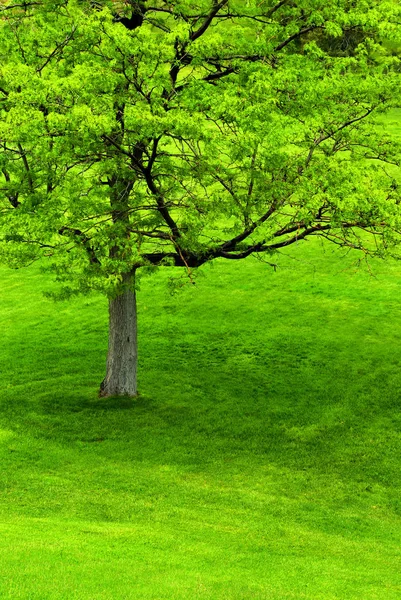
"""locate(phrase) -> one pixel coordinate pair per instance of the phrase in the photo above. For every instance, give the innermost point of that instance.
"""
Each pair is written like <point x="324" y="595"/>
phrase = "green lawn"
<point x="262" y="460"/>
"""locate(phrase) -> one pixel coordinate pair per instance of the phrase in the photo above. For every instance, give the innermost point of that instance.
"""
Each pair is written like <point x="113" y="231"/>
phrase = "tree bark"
<point x="122" y="357"/>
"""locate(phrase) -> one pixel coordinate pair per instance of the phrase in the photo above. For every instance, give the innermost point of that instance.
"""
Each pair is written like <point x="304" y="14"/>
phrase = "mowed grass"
<point x="261" y="461"/>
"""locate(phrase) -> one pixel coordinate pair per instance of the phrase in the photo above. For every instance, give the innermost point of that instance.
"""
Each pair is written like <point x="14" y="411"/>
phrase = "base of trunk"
<point x="119" y="392"/>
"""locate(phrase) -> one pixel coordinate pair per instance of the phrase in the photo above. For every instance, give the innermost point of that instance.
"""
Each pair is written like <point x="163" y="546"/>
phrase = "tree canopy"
<point x="140" y="134"/>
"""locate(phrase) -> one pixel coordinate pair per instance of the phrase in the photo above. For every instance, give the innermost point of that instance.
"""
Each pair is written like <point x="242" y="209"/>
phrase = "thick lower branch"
<point x="196" y="260"/>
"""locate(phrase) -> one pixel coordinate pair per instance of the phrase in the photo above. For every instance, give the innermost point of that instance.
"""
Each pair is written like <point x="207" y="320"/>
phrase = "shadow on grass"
<point x="243" y="409"/>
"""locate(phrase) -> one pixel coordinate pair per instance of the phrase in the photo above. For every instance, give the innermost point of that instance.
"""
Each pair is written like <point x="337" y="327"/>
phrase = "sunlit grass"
<point x="261" y="461"/>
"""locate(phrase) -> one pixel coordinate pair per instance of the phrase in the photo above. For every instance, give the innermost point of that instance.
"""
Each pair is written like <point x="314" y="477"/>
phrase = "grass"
<point x="261" y="461"/>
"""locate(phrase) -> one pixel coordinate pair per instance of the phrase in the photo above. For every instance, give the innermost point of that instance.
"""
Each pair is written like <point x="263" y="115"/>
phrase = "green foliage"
<point x="142" y="133"/>
<point x="262" y="461"/>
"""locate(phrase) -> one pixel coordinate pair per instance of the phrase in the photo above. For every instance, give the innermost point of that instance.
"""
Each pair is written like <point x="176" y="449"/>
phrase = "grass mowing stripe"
<point x="261" y="461"/>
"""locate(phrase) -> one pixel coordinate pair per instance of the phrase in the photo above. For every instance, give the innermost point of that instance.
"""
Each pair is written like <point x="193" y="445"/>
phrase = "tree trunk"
<point x="121" y="368"/>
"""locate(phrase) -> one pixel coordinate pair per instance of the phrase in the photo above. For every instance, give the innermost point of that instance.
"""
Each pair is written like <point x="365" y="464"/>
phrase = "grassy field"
<point x="261" y="461"/>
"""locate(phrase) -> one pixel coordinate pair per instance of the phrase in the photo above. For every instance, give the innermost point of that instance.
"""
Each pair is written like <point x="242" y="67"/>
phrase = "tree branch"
<point x="58" y="48"/>
<point x="231" y="244"/>
<point x="206" y="24"/>
<point x="83" y="239"/>
<point x="12" y="198"/>
<point x="26" y="165"/>
<point x="161" y="206"/>
<point x="136" y="19"/>
<point x="295" y="36"/>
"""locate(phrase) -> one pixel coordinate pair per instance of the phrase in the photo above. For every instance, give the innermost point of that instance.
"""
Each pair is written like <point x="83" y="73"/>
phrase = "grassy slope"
<point x="262" y="460"/>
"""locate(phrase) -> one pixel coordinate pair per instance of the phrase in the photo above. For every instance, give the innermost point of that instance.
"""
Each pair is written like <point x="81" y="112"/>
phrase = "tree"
<point x="144" y="134"/>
